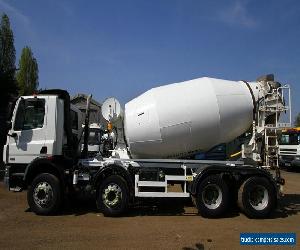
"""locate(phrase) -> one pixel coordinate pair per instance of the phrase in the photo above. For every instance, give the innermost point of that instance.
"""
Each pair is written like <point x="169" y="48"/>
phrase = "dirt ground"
<point x="167" y="224"/>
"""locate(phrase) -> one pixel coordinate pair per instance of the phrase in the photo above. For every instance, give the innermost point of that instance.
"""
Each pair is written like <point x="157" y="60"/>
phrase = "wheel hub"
<point x="42" y="194"/>
<point x="212" y="196"/>
<point x="259" y="197"/>
<point x="112" y="195"/>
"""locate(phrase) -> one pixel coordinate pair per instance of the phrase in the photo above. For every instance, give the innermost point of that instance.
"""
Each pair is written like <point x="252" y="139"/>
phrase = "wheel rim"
<point x="112" y="195"/>
<point x="43" y="194"/>
<point x="259" y="197"/>
<point x="212" y="196"/>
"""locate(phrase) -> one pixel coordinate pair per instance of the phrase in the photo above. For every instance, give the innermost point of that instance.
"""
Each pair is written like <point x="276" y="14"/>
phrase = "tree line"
<point x="14" y="81"/>
<point x="23" y="80"/>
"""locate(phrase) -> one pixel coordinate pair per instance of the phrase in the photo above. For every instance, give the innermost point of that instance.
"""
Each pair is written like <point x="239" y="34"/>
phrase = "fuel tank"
<point x="179" y="119"/>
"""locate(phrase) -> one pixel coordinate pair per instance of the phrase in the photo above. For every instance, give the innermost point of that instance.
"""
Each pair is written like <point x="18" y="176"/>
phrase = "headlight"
<point x="297" y="158"/>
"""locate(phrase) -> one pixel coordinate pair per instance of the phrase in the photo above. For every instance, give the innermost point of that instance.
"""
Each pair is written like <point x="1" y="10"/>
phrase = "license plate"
<point x="288" y="164"/>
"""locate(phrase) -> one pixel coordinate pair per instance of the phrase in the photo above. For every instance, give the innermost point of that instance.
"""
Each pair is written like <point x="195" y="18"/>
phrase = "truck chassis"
<point x="116" y="184"/>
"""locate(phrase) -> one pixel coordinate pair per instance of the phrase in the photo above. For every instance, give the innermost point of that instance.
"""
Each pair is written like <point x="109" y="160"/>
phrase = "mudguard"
<point x="40" y="165"/>
<point x="111" y="168"/>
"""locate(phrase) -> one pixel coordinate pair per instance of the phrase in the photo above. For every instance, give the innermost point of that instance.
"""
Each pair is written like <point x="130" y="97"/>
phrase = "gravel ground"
<point x="164" y="224"/>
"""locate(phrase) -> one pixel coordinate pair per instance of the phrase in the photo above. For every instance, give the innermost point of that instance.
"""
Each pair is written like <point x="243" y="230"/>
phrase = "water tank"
<point x="179" y="119"/>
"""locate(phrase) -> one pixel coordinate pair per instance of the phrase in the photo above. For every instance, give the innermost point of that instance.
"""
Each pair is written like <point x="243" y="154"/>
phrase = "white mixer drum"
<point x="178" y="119"/>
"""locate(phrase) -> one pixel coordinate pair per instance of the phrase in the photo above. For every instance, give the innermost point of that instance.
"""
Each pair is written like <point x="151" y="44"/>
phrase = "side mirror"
<point x="8" y="125"/>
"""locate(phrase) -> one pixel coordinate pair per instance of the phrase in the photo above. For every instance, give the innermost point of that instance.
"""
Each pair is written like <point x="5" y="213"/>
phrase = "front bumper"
<point x="295" y="163"/>
<point x="289" y="161"/>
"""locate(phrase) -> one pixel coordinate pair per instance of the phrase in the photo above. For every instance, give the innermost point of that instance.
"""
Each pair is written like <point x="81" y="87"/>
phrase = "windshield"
<point x="289" y="139"/>
<point x="94" y="136"/>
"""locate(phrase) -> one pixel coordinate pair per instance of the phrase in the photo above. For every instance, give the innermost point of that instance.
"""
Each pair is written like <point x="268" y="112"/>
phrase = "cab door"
<point x="26" y="138"/>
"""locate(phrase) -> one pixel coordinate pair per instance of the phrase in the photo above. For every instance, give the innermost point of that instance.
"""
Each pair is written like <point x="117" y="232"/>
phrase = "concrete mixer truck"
<point x="147" y="147"/>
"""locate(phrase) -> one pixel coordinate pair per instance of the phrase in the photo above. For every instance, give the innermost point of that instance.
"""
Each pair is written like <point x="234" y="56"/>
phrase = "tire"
<point x="257" y="197"/>
<point x="44" y="195"/>
<point x="212" y="198"/>
<point x="113" y="196"/>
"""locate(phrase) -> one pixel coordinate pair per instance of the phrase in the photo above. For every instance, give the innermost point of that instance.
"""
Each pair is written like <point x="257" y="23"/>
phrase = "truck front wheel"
<point x="212" y="198"/>
<point x="257" y="197"/>
<point x="113" y="196"/>
<point x="44" y="195"/>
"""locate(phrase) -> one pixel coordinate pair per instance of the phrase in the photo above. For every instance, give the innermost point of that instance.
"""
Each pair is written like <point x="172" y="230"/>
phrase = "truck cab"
<point x="289" y="148"/>
<point x="38" y="130"/>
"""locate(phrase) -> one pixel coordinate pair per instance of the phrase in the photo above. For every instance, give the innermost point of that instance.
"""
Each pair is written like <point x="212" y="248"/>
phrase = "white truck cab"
<point x="289" y="148"/>
<point x="37" y="128"/>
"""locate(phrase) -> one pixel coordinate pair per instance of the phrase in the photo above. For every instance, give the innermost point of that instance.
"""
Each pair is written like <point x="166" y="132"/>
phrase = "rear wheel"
<point x="44" y="196"/>
<point x="257" y="197"/>
<point x="212" y="198"/>
<point x="113" y="196"/>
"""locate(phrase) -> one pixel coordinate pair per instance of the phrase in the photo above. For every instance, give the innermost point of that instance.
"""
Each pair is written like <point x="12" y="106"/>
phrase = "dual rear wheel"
<point x="212" y="198"/>
<point x="256" y="197"/>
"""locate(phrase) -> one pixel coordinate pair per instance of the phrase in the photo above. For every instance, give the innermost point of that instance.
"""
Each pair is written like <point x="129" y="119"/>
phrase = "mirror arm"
<point x="13" y="135"/>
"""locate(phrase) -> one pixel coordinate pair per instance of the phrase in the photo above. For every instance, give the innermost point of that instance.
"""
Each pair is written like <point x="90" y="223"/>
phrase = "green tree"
<point x="8" y="88"/>
<point x="297" y="120"/>
<point x="7" y="59"/>
<point x="27" y="76"/>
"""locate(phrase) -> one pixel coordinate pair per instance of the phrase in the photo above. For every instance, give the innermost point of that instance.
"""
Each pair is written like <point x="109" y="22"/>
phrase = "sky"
<point x="123" y="48"/>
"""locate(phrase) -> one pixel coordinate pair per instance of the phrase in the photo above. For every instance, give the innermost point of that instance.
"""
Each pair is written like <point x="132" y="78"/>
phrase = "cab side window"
<point x="30" y="114"/>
